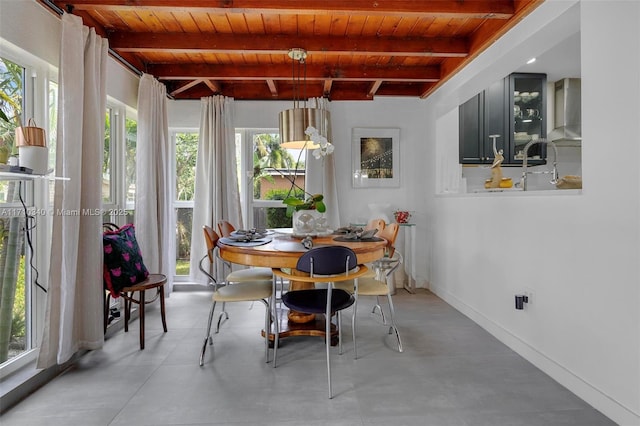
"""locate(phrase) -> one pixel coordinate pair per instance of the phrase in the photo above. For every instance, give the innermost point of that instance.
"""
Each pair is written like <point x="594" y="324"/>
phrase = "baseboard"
<point x="584" y="390"/>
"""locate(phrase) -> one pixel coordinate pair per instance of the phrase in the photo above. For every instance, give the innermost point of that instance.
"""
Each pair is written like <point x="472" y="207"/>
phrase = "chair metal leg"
<point x="339" y="315"/>
<point x="267" y="317"/>
<point x="353" y="325"/>
<point x="392" y="315"/>
<point x="223" y="316"/>
<point x="276" y="323"/>
<point x="207" y="338"/>
<point x="378" y="307"/>
<point x="328" y="338"/>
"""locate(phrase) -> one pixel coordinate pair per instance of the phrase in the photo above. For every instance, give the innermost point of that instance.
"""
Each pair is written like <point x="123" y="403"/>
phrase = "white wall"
<point x="579" y="254"/>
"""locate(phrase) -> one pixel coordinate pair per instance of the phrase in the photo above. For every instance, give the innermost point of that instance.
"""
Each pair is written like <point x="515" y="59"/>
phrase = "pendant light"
<point x="295" y="121"/>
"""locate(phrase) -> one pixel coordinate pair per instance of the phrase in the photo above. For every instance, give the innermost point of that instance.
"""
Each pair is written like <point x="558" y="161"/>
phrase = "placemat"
<point x="232" y="242"/>
<point x="357" y="240"/>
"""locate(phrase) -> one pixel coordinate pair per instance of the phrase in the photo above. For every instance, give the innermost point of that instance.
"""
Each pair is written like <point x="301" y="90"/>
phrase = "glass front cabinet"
<point x="515" y="109"/>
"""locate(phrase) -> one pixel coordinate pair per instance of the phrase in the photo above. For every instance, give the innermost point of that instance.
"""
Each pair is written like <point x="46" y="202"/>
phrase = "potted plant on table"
<point x="306" y="213"/>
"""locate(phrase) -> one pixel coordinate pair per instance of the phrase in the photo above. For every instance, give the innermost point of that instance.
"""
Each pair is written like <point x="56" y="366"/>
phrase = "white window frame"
<point x="37" y="76"/>
<point x="175" y="204"/>
<point x="118" y="197"/>
<point x="246" y="175"/>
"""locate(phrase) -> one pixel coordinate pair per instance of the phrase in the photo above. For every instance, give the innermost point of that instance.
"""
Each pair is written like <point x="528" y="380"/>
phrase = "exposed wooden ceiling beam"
<point x="374" y="88"/>
<point x="185" y="87"/>
<point x="272" y="87"/>
<point x="476" y="9"/>
<point x="260" y="91"/>
<point x="280" y="44"/>
<point x="282" y="72"/>
<point x="326" y="88"/>
<point x="215" y="87"/>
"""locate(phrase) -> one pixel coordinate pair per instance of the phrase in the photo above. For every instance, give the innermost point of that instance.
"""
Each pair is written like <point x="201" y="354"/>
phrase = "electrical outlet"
<point x="529" y="293"/>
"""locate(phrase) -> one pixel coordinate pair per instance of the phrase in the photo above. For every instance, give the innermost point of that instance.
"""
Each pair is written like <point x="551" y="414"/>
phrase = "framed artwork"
<point x="375" y="157"/>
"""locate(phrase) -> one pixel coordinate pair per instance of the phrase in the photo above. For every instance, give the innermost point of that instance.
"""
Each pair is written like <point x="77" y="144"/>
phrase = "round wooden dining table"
<point x="283" y="251"/>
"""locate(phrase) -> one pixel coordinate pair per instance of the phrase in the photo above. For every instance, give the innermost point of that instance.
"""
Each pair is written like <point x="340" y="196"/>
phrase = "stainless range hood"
<point x="567" y="112"/>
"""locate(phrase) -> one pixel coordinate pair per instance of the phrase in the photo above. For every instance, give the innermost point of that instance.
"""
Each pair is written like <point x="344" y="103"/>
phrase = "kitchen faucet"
<point x="554" y="171"/>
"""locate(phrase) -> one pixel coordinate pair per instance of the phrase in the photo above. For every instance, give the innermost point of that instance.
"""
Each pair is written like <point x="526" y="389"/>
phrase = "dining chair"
<point x="389" y="233"/>
<point x="251" y="275"/>
<point x="254" y="273"/>
<point x="323" y="265"/>
<point x="375" y="223"/>
<point x="225" y="228"/>
<point x="121" y="255"/>
<point x="378" y="285"/>
<point x="247" y="290"/>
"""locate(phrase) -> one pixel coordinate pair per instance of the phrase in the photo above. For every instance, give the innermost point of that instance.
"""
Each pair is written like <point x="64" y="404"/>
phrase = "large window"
<point x="119" y="164"/>
<point x="270" y="171"/>
<point x="13" y="302"/>
<point x="265" y="172"/>
<point x="25" y="93"/>
<point x="131" y="143"/>
<point x="186" y="152"/>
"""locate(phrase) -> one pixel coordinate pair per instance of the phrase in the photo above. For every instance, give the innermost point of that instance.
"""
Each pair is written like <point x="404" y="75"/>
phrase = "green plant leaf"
<point x="321" y="207"/>
<point x="290" y="210"/>
<point x="293" y="201"/>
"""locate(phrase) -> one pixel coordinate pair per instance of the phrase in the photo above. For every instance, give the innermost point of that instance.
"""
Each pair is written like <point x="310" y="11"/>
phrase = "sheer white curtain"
<point x="217" y="195"/>
<point x="154" y="191"/>
<point x="321" y="176"/>
<point x="75" y="295"/>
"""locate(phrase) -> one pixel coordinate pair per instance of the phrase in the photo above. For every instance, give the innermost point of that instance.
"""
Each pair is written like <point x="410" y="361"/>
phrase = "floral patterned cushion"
<point x="123" y="265"/>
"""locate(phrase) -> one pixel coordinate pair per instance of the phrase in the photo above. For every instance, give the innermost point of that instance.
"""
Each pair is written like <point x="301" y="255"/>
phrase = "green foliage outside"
<point x="11" y="87"/>
<point x="268" y="155"/>
<point x="186" y="156"/>
<point x="12" y="303"/>
<point x="18" y="322"/>
<point x="277" y="217"/>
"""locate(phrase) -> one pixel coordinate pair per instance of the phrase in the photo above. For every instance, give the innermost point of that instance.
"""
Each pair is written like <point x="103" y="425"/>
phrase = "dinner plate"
<point x="244" y="243"/>
<point x="245" y="237"/>
<point x="239" y="233"/>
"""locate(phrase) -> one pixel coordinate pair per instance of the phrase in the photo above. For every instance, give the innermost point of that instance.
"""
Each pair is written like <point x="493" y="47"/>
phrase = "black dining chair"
<point x="326" y="265"/>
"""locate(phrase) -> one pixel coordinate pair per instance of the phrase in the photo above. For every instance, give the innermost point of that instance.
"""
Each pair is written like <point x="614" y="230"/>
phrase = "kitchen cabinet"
<point x="515" y="109"/>
<point x="472" y="149"/>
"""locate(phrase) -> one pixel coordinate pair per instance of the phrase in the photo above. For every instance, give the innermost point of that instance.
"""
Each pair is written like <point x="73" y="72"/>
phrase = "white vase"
<point x="304" y="222"/>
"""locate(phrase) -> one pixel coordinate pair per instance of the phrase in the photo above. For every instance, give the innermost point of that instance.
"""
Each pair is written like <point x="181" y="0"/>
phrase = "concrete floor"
<point x="452" y="372"/>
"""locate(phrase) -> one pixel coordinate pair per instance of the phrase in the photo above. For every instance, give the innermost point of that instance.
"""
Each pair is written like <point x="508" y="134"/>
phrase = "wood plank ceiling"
<point x="357" y="49"/>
